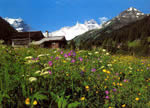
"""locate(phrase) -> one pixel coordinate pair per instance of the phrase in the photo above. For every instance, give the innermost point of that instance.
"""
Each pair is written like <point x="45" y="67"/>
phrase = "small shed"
<point x="24" y="38"/>
<point x="52" y="42"/>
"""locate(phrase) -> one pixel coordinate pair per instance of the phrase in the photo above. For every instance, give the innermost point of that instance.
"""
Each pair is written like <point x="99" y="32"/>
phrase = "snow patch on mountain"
<point x="18" y="24"/>
<point x="77" y="29"/>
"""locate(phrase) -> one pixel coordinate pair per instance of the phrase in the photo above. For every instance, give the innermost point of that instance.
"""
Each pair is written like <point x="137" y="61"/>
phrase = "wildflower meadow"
<point x="58" y="78"/>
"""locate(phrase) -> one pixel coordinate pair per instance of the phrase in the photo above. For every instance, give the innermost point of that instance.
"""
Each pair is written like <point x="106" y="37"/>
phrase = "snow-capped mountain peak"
<point x="127" y="16"/>
<point x="18" y="24"/>
<point x="131" y="12"/>
<point x="131" y="9"/>
<point x="77" y="29"/>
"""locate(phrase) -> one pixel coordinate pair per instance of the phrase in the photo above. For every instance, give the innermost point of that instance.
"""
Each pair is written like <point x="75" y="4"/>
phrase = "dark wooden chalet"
<point x="52" y="42"/>
<point x="6" y="30"/>
<point x="25" y="38"/>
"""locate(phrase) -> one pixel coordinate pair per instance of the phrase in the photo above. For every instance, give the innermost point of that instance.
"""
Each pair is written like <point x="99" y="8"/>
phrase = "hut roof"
<point x="33" y="35"/>
<point x="6" y="29"/>
<point x="53" y="38"/>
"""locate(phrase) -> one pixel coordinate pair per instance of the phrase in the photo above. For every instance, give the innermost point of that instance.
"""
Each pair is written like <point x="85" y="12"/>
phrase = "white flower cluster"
<point x="32" y="79"/>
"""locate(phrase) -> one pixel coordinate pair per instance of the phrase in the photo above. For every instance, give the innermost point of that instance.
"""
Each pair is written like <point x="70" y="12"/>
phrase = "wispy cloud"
<point x="103" y="20"/>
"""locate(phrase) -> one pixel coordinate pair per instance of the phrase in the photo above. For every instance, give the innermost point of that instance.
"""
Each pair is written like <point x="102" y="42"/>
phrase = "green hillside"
<point x="137" y="33"/>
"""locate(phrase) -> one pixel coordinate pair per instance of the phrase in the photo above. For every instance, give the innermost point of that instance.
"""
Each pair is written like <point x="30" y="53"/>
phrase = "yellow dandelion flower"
<point x="104" y="70"/>
<point x="139" y="93"/>
<point x="35" y="102"/>
<point x="64" y="61"/>
<point x="108" y="72"/>
<point x="96" y="92"/>
<point x="106" y="79"/>
<point x="114" y="83"/>
<point x="87" y="87"/>
<point x="124" y="105"/>
<point x="136" y="99"/>
<point x="105" y="86"/>
<point x="82" y="98"/>
<point x="120" y="84"/>
<point x="27" y="101"/>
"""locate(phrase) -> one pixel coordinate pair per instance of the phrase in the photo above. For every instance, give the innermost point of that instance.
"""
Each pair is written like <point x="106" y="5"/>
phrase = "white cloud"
<point x="103" y="20"/>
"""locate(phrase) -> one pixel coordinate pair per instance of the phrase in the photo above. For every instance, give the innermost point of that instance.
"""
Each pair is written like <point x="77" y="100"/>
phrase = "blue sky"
<point x="53" y="14"/>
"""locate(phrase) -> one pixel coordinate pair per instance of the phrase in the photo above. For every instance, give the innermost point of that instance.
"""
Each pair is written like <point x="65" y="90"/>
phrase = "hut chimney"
<point x="47" y="34"/>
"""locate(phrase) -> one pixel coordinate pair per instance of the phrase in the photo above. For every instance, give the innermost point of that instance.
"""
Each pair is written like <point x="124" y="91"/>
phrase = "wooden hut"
<point x="6" y="30"/>
<point x="52" y="42"/>
<point x="25" y="38"/>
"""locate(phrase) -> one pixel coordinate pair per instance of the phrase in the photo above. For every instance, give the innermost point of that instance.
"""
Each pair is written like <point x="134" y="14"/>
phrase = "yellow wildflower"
<point x="108" y="72"/>
<point x="96" y="92"/>
<point x="104" y="70"/>
<point x="87" y="87"/>
<point x="82" y="98"/>
<point x="120" y="84"/>
<point x="35" y="102"/>
<point x="124" y="105"/>
<point x="114" y="83"/>
<point x="27" y="101"/>
<point x="136" y="99"/>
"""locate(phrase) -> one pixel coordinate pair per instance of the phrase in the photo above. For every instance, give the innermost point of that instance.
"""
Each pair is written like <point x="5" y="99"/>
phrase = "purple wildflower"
<point x="107" y="97"/>
<point x="50" y="72"/>
<point x="73" y="61"/>
<point x="65" y="55"/>
<point x="114" y="89"/>
<point x="93" y="70"/>
<point x="69" y="54"/>
<point x="117" y="74"/>
<point x="57" y="58"/>
<point x="107" y="92"/>
<point x="51" y="57"/>
<point x="50" y="63"/>
<point x="125" y="80"/>
<point x="37" y="58"/>
<point x="74" y="54"/>
<point x="61" y="52"/>
<point x="81" y="59"/>
<point x="82" y="73"/>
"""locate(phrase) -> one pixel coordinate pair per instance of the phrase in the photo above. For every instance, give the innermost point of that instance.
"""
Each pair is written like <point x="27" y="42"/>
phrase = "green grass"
<point x="72" y="79"/>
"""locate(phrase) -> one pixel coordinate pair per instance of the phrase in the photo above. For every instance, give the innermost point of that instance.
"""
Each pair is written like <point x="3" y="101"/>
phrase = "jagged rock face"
<point x="18" y="24"/>
<point x="128" y="16"/>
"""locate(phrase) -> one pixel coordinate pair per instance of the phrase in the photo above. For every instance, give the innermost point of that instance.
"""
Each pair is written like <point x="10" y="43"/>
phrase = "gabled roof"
<point x="53" y="38"/>
<point x="33" y="35"/>
<point x="6" y="29"/>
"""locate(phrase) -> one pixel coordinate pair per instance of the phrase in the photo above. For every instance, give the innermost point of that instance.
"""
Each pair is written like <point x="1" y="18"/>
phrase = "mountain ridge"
<point x="18" y="23"/>
<point x="124" y="18"/>
<point x="77" y="29"/>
